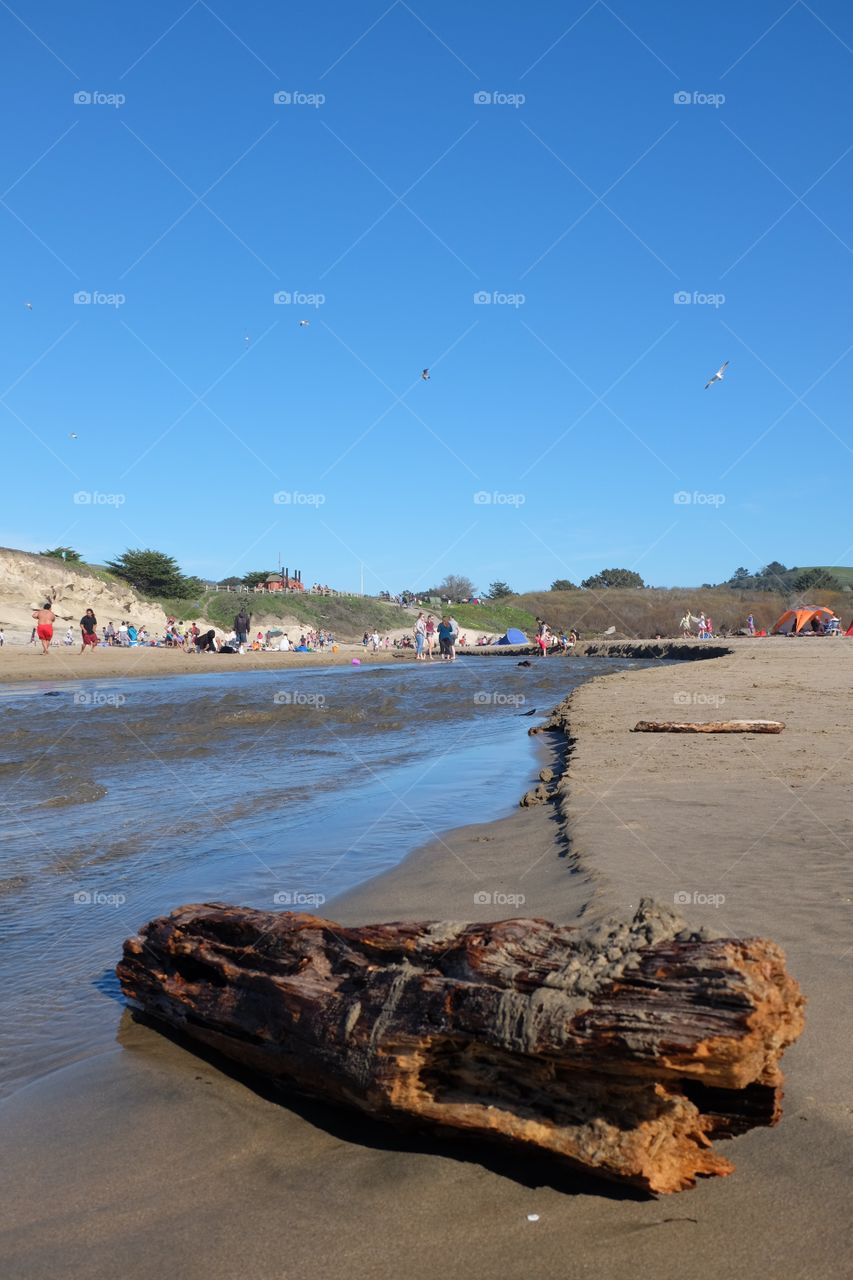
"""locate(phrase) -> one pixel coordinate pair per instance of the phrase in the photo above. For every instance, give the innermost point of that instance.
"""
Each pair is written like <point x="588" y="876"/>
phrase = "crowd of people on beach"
<point x="177" y="634"/>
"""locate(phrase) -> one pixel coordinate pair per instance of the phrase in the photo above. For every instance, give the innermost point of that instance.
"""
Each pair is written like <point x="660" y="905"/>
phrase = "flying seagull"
<point x="425" y="375"/>
<point x="718" y="376"/>
<point x="29" y="306"/>
<point x="72" y="435"/>
<point x="303" y="324"/>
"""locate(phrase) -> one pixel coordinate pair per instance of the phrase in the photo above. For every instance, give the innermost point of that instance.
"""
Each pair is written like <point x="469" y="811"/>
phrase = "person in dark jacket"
<point x="241" y="626"/>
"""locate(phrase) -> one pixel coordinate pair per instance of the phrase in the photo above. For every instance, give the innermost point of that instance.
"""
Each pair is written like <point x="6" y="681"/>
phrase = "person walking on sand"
<point x="420" y="638"/>
<point x="45" y="618"/>
<point x="88" y="632"/>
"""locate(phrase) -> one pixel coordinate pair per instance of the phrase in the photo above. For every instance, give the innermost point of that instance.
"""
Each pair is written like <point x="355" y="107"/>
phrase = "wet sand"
<point x="150" y="1159"/>
<point x="25" y="662"/>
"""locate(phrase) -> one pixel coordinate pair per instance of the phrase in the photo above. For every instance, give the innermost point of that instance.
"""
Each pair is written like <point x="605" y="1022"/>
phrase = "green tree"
<point x="255" y="578"/>
<point x="68" y="554"/>
<point x="455" y="587"/>
<point x="816" y="580"/>
<point x="500" y="590"/>
<point x="563" y="584"/>
<point x="613" y="578"/>
<point x="740" y="578"/>
<point x="230" y="582"/>
<point x="153" y="573"/>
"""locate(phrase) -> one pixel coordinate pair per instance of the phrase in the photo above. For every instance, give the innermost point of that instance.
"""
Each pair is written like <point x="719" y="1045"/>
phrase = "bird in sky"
<point x="303" y="324"/>
<point x="29" y="306"/>
<point x="718" y="376"/>
<point x="425" y="375"/>
<point x="72" y="435"/>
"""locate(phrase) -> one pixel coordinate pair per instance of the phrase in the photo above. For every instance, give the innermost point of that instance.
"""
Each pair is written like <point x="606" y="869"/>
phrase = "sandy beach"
<point x="27" y="663"/>
<point x="149" y="1158"/>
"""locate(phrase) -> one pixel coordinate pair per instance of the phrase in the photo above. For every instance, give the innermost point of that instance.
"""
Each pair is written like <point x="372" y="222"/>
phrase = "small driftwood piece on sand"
<point x="625" y="1049"/>
<point x="708" y="726"/>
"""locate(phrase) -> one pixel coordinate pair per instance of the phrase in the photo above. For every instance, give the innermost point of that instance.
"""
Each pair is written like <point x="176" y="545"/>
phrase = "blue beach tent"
<point x="514" y="636"/>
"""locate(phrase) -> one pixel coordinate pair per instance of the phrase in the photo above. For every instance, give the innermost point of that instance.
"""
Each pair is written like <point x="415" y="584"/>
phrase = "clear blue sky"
<point x="398" y="198"/>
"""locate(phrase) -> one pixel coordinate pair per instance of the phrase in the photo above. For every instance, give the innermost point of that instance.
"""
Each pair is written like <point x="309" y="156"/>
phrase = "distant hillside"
<point x="843" y="573"/>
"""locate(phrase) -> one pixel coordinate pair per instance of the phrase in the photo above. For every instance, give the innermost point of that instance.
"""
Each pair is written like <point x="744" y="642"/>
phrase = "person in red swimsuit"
<point x="45" y="618"/>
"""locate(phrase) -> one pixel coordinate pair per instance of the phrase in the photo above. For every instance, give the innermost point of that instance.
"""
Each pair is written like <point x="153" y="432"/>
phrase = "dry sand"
<point x="149" y="1160"/>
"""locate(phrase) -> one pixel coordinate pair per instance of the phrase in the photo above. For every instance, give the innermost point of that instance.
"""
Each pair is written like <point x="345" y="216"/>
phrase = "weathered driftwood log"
<point x="624" y="1049"/>
<point x="709" y="726"/>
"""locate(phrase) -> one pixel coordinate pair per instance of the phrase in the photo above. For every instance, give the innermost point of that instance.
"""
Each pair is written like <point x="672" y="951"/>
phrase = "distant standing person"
<point x="750" y="625"/>
<point x="420" y="638"/>
<point x="45" y="618"/>
<point x="445" y="639"/>
<point x="454" y="636"/>
<point x="88" y="633"/>
<point x="430" y="636"/>
<point x="241" y="626"/>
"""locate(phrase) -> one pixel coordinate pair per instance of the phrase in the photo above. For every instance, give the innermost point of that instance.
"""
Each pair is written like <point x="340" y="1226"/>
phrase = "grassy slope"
<point x="347" y="616"/>
<point x="843" y="574"/>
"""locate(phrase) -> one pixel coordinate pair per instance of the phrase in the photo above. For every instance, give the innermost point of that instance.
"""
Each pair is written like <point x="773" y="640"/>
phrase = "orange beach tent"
<point x="795" y="621"/>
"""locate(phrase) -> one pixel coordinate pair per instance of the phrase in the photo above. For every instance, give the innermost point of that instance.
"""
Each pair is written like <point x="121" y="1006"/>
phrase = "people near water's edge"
<point x="445" y="639"/>
<point x="45" y="618"/>
<point x="430" y="637"/>
<point x="420" y="638"/>
<point x="88" y="630"/>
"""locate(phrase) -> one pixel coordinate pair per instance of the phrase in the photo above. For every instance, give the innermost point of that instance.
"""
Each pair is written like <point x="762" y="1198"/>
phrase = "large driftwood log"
<point x="709" y="726"/>
<point x="625" y="1049"/>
